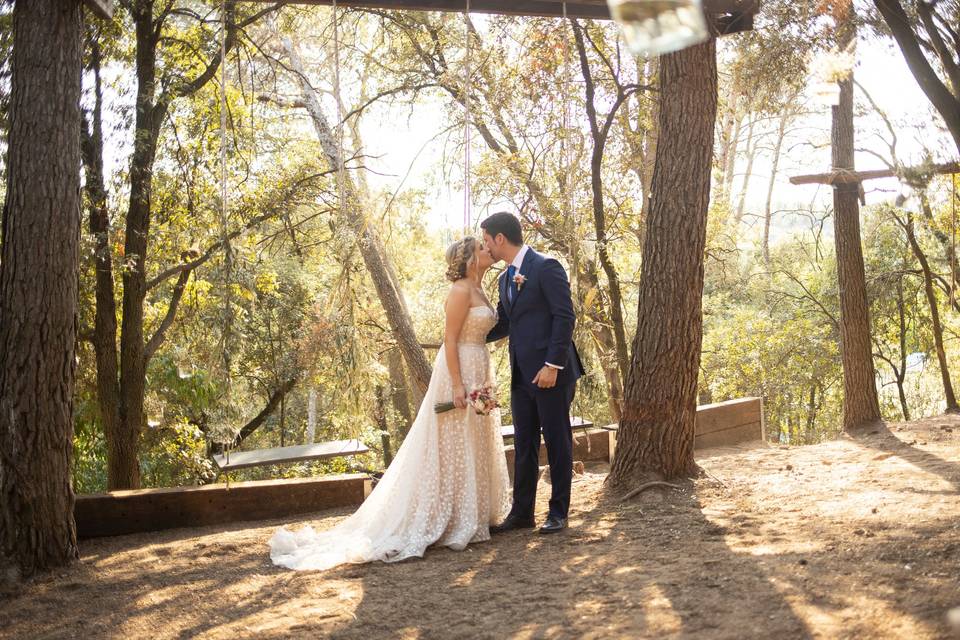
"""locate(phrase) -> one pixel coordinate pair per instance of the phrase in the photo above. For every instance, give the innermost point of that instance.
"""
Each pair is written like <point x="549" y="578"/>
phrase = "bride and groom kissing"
<point x="448" y="484"/>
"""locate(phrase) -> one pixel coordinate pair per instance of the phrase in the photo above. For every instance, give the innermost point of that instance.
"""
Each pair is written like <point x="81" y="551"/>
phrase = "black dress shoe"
<point x="511" y="523"/>
<point x="554" y="525"/>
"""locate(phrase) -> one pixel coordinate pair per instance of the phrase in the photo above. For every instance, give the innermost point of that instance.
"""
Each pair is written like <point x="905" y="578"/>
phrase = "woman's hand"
<point x="459" y="396"/>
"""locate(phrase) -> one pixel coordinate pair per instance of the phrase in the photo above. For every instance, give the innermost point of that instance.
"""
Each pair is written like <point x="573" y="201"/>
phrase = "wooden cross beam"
<point x="102" y="8"/>
<point x="732" y="15"/>
<point x="845" y="176"/>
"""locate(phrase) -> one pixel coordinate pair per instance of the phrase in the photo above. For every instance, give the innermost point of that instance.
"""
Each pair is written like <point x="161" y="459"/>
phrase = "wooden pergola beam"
<point x="855" y="177"/>
<point x="738" y="13"/>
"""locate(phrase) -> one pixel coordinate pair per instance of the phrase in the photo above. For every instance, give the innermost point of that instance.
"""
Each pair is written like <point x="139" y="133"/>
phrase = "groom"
<point x="536" y="312"/>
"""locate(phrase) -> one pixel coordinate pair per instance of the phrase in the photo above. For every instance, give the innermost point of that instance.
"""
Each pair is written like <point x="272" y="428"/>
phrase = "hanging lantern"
<point x="652" y="27"/>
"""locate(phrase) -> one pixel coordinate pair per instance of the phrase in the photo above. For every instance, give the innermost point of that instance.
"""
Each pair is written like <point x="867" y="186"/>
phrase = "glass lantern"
<point x="653" y="27"/>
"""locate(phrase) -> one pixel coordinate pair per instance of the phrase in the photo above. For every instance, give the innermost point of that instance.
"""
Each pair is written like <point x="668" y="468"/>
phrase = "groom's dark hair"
<point x="506" y="223"/>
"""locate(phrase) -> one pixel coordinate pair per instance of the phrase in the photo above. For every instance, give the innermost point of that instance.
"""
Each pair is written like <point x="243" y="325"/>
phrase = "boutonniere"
<point x="518" y="280"/>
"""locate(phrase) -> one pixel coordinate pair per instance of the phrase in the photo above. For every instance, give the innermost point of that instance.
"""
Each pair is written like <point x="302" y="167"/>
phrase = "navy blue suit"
<point x="539" y="322"/>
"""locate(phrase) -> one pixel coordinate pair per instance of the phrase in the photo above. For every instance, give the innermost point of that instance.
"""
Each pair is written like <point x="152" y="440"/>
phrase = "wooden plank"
<point x="576" y="422"/>
<point x="101" y="8"/>
<point x="283" y="455"/>
<point x="854" y="177"/>
<point x="732" y="413"/>
<point x="122" y="512"/>
<point x="740" y="434"/>
<point x="596" y="9"/>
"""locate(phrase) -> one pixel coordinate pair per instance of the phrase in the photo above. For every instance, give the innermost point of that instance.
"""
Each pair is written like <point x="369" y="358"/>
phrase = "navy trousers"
<point x="545" y="411"/>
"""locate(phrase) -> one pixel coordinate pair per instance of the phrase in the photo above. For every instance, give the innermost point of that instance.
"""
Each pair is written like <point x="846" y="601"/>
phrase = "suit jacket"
<point x="539" y="321"/>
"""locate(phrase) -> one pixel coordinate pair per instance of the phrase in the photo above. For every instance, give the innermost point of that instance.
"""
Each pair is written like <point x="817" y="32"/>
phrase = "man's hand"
<point x="546" y="378"/>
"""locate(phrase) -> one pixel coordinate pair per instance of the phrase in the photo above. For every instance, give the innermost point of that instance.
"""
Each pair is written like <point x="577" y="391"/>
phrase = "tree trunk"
<point x="767" y="212"/>
<point x="657" y="428"/>
<point x="351" y="211"/>
<point x="860" y="404"/>
<point x="901" y="371"/>
<point x="751" y="149"/>
<point x="935" y="322"/>
<point x="152" y="102"/>
<point x="38" y="288"/>
<point x="311" y="416"/>
<point x="727" y="145"/>
<point x="599" y="136"/>
<point x="105" y="315"/>
<point x="380" y="414"/>
<point x="398" y="394"/>
<point x="946" y="103"/>
<point x="123" y="468"/>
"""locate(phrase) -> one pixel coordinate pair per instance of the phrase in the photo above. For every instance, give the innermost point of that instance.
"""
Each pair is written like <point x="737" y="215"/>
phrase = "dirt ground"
<point x="857" y="538"/>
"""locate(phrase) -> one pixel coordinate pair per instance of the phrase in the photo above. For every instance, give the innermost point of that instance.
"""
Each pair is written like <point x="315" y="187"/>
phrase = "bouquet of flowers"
<point x="482" y="399"/>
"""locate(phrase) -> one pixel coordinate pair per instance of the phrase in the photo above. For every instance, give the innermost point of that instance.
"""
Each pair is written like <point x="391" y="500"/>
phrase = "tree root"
<point x="645" y="486"/>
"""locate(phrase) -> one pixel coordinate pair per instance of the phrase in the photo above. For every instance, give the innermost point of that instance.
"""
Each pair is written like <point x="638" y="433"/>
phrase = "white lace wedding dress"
<point x="446" y="485"/>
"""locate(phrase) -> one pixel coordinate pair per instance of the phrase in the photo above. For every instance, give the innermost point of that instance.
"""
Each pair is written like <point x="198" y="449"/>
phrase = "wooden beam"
<point x="594" y="9"/>
<point x="122" y="512"/>
<point x="101" y="8"/>
<point x="854" y="177"/>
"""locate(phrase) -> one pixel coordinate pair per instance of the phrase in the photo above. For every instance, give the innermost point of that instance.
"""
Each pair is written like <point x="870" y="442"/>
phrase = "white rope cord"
<point x="224" y="232"/>
<point x="467" y="196"/>
<point x="341" y="164"/>
<point x="953" y="285"/>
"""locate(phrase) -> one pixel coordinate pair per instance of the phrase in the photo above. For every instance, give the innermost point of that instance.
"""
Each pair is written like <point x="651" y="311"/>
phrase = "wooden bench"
<point x="282" y="455"/>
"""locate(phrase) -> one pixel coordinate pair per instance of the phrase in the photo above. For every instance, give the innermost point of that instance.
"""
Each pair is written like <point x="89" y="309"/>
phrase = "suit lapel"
<point x="524" y="270"/>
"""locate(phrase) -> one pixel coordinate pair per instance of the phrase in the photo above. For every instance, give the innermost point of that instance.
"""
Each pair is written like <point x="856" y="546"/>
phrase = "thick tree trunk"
<point x="946" y="103"/>
<point x="38" y="288"/>
<point x="860" y="404"/>
<point x="123" y="456"/>
<point x="935" y="322"/>
<point x="370" y="248"/>
<point x="657" y="428"/>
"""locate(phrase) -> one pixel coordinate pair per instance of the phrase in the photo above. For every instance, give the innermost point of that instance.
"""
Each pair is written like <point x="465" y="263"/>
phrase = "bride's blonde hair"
<point x="459" y="254"/>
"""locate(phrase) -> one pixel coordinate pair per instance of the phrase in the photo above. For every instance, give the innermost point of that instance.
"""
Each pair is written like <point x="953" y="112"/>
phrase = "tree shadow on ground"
<point x="659" y="568"/>
<point x="885" y="440"/>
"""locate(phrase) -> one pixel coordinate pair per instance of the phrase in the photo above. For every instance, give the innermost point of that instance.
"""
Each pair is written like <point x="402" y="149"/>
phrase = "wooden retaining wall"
<point x="729" y="423"/>
<point x="121" y="512"/>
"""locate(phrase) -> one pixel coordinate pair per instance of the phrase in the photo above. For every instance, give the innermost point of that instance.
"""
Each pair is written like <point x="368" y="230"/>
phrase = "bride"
<point x="448" y="482"/>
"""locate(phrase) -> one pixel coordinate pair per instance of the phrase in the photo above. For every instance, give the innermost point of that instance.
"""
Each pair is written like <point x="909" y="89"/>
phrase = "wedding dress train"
<point x="446" y="485"/>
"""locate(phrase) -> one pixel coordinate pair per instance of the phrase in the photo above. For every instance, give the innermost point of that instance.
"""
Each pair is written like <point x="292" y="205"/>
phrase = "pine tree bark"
<point x="657" y="428"/>
<point x="39" y="288"/>
<point x="860" y="404"/>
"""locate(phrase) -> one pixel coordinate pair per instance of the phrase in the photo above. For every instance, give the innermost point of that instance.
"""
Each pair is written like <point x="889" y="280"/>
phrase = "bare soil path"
<point x="856" y="538"/>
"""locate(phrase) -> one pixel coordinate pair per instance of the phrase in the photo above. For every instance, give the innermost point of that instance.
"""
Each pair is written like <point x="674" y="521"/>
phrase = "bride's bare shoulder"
<point x="459" y="293"/>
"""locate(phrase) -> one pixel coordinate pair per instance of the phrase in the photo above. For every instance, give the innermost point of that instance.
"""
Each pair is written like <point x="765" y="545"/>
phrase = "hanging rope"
<point x="953" y="257"/>
<point x="467" y="214"/>
<point x="225" y="234"/>
<point x="341" y="166"/>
